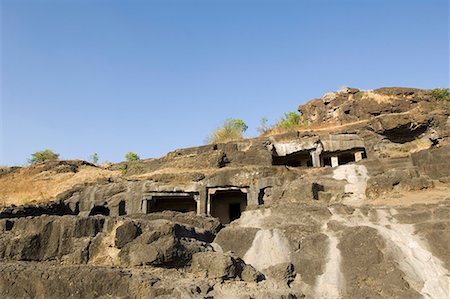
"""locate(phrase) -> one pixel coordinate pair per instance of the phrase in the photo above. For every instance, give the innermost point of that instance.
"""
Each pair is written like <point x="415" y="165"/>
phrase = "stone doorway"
<point x="227" y="203"/>
<point x="99" y="210"/>
<point x="177" y="202"/>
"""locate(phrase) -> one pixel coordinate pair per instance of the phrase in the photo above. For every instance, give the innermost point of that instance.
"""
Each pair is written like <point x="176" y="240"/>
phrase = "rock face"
<point x="364" y="252"/>
<point x="350" y="105"/>
<point x="399" y="115"/>
<point x="102" y="240"/>
<point x="357" y="205"/>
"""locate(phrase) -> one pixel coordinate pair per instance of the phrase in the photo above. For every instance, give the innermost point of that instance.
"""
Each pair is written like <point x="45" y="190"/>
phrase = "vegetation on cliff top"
<point x="94" y="158"/>
<point x="130" y="156"/>
<point x="42" y="156"/>
<point x="441" y="94"/>
<point x="232" y="129"/>
<point x="290" y="121"/>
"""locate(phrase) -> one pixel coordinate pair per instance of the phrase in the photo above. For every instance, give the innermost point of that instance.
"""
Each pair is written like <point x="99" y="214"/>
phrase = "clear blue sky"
<point x="108" y="76"/>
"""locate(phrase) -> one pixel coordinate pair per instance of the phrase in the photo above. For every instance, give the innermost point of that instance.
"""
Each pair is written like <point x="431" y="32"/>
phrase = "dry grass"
<point x="27" y="185"/>
<point x="281" y="130"/>
<point x="223" y="135"/>
<point x="380" y="98"/>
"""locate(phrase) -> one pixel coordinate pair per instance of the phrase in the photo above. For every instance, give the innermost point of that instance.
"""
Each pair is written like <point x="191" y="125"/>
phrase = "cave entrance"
<point x="234" y="211"/>
<point x="335" y="159"/>
<point x="99" y="210"/>
<point x="326" y="161"/>
<point x="170" y="202"/>
<point x="346" y="158"/>
<point x="405" y="133"/>
<point x="297" y="159"/>
<point x="121" y="208"/>
<point x="227" y="204"/>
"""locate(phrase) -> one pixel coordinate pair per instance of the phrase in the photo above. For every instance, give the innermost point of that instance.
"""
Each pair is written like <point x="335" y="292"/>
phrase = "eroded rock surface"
<point x="364" y="252"/>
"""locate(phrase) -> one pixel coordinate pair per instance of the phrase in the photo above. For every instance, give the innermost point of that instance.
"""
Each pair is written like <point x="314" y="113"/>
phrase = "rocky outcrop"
<point x="350" y="104"/>
<point x="103" y="240"/>
<point x="223" y="266"/>
<point x="394" y="117"/>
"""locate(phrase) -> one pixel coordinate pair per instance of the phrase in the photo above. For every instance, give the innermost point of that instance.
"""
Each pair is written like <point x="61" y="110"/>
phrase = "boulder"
<point x="126" y="233"/>
<point x="103" y="240"/>
<point x="164" y="244"/>
<point x="160" y="252"/>
<point x="283" y="272"/>
<point x="216" y="265"/>
<point x="236" y="239"/>
<point x="250" y="274"/>
<point x="223" y="266"/>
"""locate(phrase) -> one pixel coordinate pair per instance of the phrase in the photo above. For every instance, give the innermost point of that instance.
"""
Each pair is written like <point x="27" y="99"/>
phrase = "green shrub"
<point x="42" y="156"/>
<point x="232" y="129"/>
<point x="289" y="121"/>
<point x="130" y="156"/>
<point x="441" y="94"/>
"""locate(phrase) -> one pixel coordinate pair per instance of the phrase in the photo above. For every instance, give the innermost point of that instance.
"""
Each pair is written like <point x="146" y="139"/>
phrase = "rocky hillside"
<point x="407" y="119"/>
<point x="356" y="205"/>
<point x="44" y="182"/>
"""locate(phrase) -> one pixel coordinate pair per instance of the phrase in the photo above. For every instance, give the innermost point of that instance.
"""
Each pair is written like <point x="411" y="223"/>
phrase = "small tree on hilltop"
<point x="130" y="156"/>
<point x="42" y="156"/>
<point x="263" y="125"/>
<point x="94" y="158"/>
<point x="232" y="129"/>
<point x="289" y="121"/>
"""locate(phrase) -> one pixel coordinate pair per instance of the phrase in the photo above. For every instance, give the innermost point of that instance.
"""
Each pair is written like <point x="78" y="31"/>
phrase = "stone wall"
<point x="435" y="162"/>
